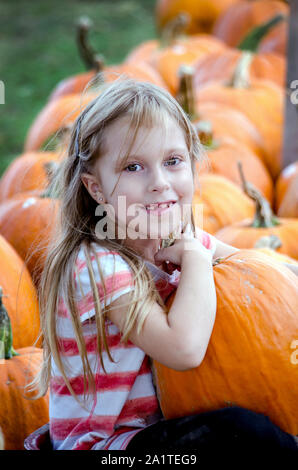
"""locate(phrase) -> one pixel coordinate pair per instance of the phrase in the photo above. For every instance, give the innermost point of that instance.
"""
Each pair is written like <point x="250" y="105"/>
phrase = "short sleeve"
<point x="117" y="279"/>
<point x="207" y="240"/>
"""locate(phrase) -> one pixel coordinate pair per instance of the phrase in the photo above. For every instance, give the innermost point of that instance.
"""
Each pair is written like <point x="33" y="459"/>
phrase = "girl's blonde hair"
<point x="146" y="105"/>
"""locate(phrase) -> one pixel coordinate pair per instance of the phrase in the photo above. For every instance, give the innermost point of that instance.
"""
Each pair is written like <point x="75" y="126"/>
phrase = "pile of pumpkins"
<point x="225" y="62"/>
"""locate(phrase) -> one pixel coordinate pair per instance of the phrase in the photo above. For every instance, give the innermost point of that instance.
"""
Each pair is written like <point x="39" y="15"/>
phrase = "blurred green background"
<point x="38" y="49"/>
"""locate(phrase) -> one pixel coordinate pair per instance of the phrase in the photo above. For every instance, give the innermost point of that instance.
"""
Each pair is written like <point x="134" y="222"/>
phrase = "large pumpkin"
<point x="202" y="13"/>
<point x="28" y="172"/>
<point x="20" y="415"/>
<point x="224" y="158"/>
<point x="26" y="221"/>
<point x="19" y="296"/>
<point x="55" y="115"/>
<point x="250" y="357"/>
<point x="220" y="66"/>
<point x="77" y="83"/>
<point x="218" y="202"/>
<point x="238" y="20"/>
<point x="168" y="60"/>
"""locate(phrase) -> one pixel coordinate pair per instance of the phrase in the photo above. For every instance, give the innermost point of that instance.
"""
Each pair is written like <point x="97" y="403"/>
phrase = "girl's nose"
<point x="158" y="182"/>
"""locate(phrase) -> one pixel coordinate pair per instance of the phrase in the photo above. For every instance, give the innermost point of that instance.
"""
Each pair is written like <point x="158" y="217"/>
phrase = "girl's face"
<point x="157" y="170"/>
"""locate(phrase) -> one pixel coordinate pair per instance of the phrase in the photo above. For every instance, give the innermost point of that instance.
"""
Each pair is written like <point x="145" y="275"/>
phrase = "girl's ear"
<point x="92" y="185"/>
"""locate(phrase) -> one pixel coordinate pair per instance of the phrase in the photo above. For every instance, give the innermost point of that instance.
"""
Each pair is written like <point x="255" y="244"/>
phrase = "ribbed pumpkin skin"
<point x="241" y="235"/>
<point x="19" y="416"/>
<point x="19" y="297"/>
<point x="26" y="173"/>
<point x="26" y="221"/>
<point x="223" y="203"/>
<point x="248" y="361"/>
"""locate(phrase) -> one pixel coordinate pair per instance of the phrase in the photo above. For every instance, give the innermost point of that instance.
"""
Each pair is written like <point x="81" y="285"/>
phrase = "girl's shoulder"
<point x="100" y="255"/>
<point x="107" y="270"/>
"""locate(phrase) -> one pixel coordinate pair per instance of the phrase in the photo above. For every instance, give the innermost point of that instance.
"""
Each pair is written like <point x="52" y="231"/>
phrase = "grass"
<point x="38" y="49"/>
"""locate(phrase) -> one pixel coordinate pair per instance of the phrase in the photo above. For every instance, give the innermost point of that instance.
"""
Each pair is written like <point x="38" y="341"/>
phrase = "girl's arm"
<point x="223" y="250"/>
<point x="178" y="340"/>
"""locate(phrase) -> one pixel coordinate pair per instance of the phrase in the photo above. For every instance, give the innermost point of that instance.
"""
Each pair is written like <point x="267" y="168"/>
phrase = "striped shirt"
<point x="125" y="400"/>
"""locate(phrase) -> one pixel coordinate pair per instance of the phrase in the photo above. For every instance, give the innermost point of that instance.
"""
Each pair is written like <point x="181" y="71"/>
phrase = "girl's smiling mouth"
<point x="159" y="207"/>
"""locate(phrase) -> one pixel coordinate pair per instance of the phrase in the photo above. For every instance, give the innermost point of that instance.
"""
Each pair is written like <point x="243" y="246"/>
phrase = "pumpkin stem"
<point x="252" y="41"/>
<point x="186" y="99"/>
<point x="186" y="91"/>
<point x="6" y="348"/>
<point x="240" y="77"/>
<point x="264" y="216"/>
<point x="174" y="29"/>
<point x="271" y="241"/>
<point x="88" y="55"/>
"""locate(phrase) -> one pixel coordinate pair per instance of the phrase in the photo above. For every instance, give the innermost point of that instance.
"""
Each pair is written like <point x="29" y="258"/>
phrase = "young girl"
<point x="132" y="153"/>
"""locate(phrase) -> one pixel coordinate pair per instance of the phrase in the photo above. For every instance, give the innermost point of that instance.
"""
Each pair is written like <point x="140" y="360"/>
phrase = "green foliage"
<point x="38" y="49"/>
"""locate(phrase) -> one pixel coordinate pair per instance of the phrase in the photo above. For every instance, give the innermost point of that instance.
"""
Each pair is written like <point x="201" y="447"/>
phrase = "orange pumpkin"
<point x="244" y="234"/>
<point x="289" y="204"/>
<point x="228" y="123"/>
<point x="169" y="59"/>
<point x="220" y="66"/>
<point x="218" y="202"/>
<point x="202" y="13"/>
<point x="19" y="296"/>
<point x="27" y="172"/>
<point x="77" y="83"/>
<point x="262" y="102"/>
<point x="283" y="182"/>
<point x="21" y="415"/>
<point x="224" y="158"/>
<point x="237" y="21"/>
<point x="248" y="362"/>
<point x="55" y="115"/>
<point x="26" y="221"/>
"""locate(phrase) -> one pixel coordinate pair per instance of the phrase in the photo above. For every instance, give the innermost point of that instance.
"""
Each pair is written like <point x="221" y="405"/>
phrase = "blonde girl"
<point x="107" y="277"/>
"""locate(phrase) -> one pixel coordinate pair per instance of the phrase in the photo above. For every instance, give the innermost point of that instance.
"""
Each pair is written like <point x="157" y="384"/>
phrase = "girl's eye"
<point x="132" y="165"/>
<point x="173" y="159"/>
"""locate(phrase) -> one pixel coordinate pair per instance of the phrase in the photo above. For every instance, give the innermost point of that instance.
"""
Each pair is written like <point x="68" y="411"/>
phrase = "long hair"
<point x="145" y="104"/>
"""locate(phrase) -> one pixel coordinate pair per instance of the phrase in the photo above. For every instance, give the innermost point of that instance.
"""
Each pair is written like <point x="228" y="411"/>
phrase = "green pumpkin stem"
<point x="91" y="59"/>
<point x="6" y="348"/>
<point x="264" y="216"/>
<point x="252" y="41"/>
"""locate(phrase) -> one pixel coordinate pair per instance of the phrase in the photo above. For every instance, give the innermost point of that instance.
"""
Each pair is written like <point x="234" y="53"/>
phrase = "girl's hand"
<point x="188" y="244"/>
